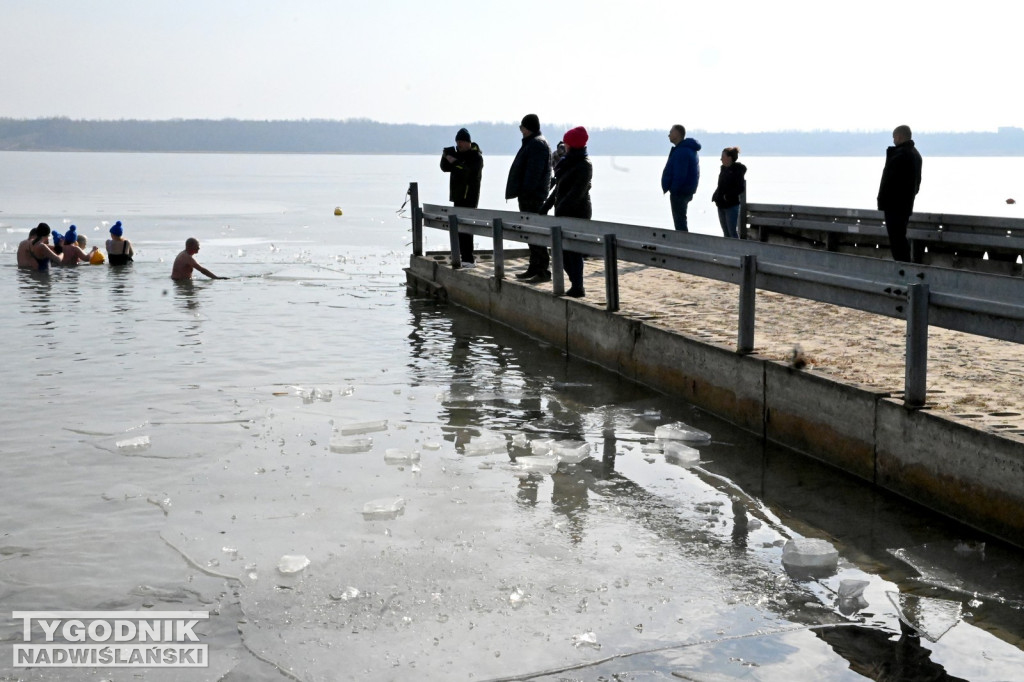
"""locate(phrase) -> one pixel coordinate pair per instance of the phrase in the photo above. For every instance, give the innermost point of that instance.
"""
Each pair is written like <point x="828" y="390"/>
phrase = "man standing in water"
<point x="901" y="180"/>
<point x="529" y="180"/>
<point x="186" y="261"/>
<point x="681" y="174"/>
<point x="465" y="163"/>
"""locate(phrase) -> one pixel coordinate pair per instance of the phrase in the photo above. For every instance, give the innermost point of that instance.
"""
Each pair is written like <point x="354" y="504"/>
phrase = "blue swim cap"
<point x="116" y="230"/>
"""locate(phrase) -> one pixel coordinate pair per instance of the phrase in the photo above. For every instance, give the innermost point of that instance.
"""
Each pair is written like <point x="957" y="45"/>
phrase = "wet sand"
<point x="970" y="377"/>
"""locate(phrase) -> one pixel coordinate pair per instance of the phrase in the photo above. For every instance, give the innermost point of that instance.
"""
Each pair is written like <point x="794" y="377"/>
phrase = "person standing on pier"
<point x="901" y="180"/>
<point x="732" y="183"/>
<point x="529" y="179"/>
<point x="465" y="163"/>
<point x="571" y="198"/>
<point x="681" y="174"/>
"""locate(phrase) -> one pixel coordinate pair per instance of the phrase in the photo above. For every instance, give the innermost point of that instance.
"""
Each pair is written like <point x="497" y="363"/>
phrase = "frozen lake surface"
<point x="362" y="486"/>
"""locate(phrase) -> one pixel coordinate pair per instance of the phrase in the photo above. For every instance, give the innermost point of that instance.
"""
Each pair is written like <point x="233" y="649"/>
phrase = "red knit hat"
<point x="576" y="138"/>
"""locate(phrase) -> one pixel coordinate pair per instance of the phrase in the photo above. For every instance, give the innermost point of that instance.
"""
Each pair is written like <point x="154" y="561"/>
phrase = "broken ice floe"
<point x="291" y="564"/>
<point x="400" y="456"/>
<point x="810" y="557"/>
<point x="683" y="432"/>
<point x="351" y="445"/>
<point x="383" y="509"/>
<point x="134" y="443"/>
<point x="928" y="616"/>
<point x="363" y="427"/>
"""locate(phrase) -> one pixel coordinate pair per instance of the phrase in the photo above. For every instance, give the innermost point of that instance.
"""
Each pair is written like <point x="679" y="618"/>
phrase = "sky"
<point x="737" y="66"/>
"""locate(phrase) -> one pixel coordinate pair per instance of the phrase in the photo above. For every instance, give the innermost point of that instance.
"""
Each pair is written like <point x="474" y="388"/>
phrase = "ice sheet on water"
<point x="383" y="509"/>
<point x="351" y="445"/>
<point x="542" y="446"/>
<point x="683" y="432"/>
<point x="930" y="617"/>
<point x="487" y="443"/>
<point x="137" y="442"/>
<point x="290" y="564"/>
<point x="363" y="427"/>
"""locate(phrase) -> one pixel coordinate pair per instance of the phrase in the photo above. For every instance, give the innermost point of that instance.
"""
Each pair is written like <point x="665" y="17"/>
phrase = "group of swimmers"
<point x="68" y="249"/>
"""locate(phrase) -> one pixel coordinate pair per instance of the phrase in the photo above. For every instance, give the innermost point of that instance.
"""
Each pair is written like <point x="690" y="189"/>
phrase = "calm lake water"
<point x="165" y="445"/>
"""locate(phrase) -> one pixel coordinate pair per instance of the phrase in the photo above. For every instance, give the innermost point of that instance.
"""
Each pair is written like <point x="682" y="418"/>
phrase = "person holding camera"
<point x="465" y="164"/>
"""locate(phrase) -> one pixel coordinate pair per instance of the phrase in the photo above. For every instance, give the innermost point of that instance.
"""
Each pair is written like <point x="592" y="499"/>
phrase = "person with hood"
<point x="465" y="164"/>
<point x="571" y="198"/>
<point x="681" y="174"/>
<point x="732" y="183"/>
<point x="529" y="179"/>
<point x="901" y="180"/>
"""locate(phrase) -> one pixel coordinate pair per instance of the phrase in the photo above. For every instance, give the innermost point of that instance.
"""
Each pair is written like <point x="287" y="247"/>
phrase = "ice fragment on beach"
<point x="683" y="432"/>
<point x="683" y="455"/>
<point x="387" y="508"/>
<point x="349" y="593"/>
<point x="851" y="589"/>
<point x="812" y="557"/>
<point x="292" y="563"/>
<point x="515" y="598"/>
<point x="137" y="442"/>
<point x="585" y="639"/>
<point x="350" y="445"/>
<point x="432" y="446"/>
<point x="363" y="427"/>
<point x="399" y="456"/>
<point x="570" y="451"/>
<point x="545" y="464"/>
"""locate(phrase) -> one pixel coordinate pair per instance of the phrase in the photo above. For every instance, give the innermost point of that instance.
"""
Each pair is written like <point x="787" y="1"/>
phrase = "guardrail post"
<point x="611" y="273"/>
<point x="741" y="229"/>
<point x="453" y="239"/>
<point x="417" y="219"/>
<point x="917" y="346"/>
<point x="748" y="297"/>
<point x="498" y="230"/>
<point x="557" y="262"/>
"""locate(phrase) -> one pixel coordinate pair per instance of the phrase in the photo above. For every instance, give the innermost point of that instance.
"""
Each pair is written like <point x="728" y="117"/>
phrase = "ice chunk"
<point x="542" y="447"/>
<point x="570" y="451"/>
<point x="520" y="441"/>
<point x="399" y="456"/>
<point x="544" y="464"/>
<point x="349" y="593"/>
<point x="486" y="444"/>
<point x="588" y="639"/>
<point x="387" y="508"/>
<point x="930" y="617"/>
<point x="683" y="432"/>
<point x="363" y="427"/>
<point x="137" y="442"/>
<point x="432" y="445"/>
<point x="350" y="445"/>
<point x="810" y="557"/>
<point x="652" y="414"/>
<point x="683" y="455"/>
<point x="851" y="589"/>
<point x="292" y="563"/>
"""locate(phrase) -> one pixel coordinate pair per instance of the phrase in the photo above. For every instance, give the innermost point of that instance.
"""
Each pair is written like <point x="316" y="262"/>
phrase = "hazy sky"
<point x="737" y="66"/>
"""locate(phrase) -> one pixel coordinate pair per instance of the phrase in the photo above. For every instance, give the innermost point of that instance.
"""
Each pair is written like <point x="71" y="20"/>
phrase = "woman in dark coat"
<point x="571" y="198"/>
<point x="731" y="184"/>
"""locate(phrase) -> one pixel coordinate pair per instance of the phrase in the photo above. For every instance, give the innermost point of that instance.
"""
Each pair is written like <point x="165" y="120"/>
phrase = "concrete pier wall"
<point x="971" y="475"/>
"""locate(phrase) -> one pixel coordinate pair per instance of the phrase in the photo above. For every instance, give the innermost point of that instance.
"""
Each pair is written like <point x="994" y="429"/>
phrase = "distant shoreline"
<point x="372" y="137"/>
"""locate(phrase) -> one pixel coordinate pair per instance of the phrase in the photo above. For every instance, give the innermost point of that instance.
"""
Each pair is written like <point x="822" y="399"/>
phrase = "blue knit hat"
<point x="71" y="235"/>
<point x="116" y="230"/>
<point x="56" y="236"/>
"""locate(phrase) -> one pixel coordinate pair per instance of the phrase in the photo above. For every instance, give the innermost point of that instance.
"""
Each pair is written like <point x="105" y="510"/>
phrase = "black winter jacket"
<point x="732" y="182"/>
<point x="530" y="175"/>
<point x="901" y="178"/>
<point x="571" y="196"/>
<point x="464" y="183"/>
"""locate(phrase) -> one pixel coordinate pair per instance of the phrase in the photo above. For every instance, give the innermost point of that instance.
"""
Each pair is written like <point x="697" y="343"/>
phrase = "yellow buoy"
<point x="96" y="258"/>
<point x="337" y="211"/>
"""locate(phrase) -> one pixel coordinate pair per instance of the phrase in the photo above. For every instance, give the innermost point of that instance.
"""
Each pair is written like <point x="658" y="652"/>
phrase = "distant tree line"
<point x="363" y="136"/>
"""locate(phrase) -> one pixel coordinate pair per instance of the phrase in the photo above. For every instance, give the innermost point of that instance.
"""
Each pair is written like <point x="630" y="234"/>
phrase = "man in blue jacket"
<point x="681" y="174"/>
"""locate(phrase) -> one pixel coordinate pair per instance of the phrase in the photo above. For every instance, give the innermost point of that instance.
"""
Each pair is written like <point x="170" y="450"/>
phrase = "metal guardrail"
<point x="983" y="304"/>
<point x="936" y="238"/>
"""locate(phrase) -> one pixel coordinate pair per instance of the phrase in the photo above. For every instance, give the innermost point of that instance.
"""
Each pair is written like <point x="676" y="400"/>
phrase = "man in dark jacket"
<point x="529" y="179"/>
<point x="681" y="174"/>
<point x="901" y="180"/>
<point x="465" y="163"/>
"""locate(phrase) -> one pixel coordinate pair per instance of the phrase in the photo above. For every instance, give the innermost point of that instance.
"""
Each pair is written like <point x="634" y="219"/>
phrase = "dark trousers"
<point x="466" y="248"/>
<point x="540" y="260"/>
<point x="896" y="226"/>
<point x="572" y="263"/>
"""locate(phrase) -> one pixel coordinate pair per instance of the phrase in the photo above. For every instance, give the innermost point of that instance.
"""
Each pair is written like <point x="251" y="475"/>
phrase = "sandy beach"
<point x="970" y="377"/>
